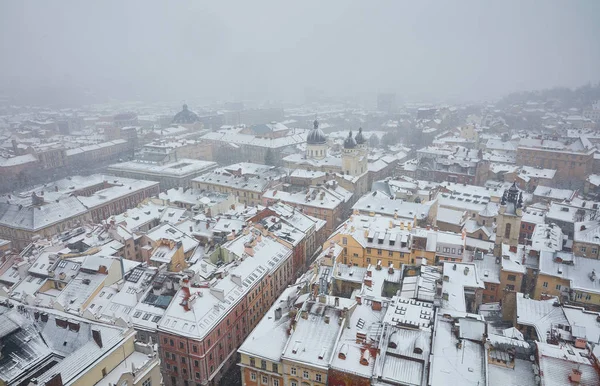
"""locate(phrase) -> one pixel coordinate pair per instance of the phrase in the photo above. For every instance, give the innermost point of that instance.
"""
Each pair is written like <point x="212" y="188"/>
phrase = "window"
<point x="252" y="362"/>
<point x="558" y="287"/>
<point x="275" y="368"/>
<point x="182" y="359"/>
<point x="368" y="250"/>
<point x="195" y="348"/>
<point x="253" y="376"/>
<point x="594" y="251"/>
<point x="318" y="377"/>
<point x="390" y="253"/>
<point x="305" y="374"/>
<point x="263" y="364"/>
<point x="511" y="277"/>
<point x="171" y="342"/>
<point x="344" y="241"/>
<point x="510" y="287"/>
<point x="545" y="285"/>
<point x="197" y="375"/>
<point x="196" y="363"/>
<point x="368" y="260"/>
<point x="147" y="382"/>
<point x="293" y="371"/>
<point x="582" y="249"/>
<point x="379" y="251"/>
<point x="180" y="343"/>
<point x="265" y="380"/>
<point x="294" y="383"/>
<point x="104" y="372"/>
<point x="507" y="231"/>
<point x="588" y="297"/>
<point x="275" y="382"/>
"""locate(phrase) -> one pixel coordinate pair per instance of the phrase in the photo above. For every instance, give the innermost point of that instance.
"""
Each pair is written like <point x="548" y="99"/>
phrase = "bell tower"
<point x="508" y="224"/>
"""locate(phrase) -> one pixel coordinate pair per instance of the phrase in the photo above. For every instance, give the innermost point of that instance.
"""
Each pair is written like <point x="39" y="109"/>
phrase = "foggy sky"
<point x="234" y="50"/>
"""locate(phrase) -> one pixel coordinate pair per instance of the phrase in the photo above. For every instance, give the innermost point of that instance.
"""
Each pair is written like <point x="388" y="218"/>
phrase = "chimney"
<point x="304" y="314"/>
<point x="391" y="269"/>
<point x="44" y="317"/>
<point x="278" y="313"/>
<point x="249" y="249"/>
<point x="337" y="302"/>
<point x="365" y="358"/>
<point x="369" y="273"/>
<point x="466" y="271"/>
<point x="36" y="315"/>
<point x="575" y="376"/>
<point x="56" y="380"/>
<point x="376" y="305"/>
<point x="378" y="265"/>
<point x="326" y="319"/>
<point x="358" y="300"/>
<point x="60" y="322"/>
<point x="97" y="337"/>
<point x="73" y="326"/>
<point x="369" y="282"/>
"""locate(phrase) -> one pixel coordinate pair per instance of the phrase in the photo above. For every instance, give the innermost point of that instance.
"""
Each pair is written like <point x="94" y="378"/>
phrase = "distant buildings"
<point x="246" y="181"/>
<point x="185" y="117"/>
<point x="573" y="162"/>
<point x="66" y="204"/>
<point x="451" y="163"/>
<point x="236" y="144"/>
<point x="170" y="175"/>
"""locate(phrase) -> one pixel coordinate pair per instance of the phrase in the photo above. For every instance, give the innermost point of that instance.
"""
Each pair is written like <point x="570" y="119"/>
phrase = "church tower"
<point x="355" y="154"/>
<point x="316" y="143"/>
<point x="508" y="224"/>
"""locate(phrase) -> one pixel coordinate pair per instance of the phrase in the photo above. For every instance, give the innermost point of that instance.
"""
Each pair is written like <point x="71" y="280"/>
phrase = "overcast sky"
<point x="257" y="49"/>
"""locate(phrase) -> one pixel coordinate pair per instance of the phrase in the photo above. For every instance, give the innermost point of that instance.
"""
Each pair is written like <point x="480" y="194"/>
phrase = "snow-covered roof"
<point x="539" y="314"/>
<point x="587" y="232"/>
<point x="325" y="197"/>
<point x="313" y="339"/>
<point x="210" y="305"/>
<point x="182" y="167"/>
<point x="557" y="362"/>
<point x="579" y="273"/>
<point x="553" y="193"/>
<point x="457" y="277"/>
<point x="347" y="353"/>
<point x="382" y="204"/>
<point x="268" y="339"/>
<point x="488" y="268"/>
<point x="452" y="363"/>
<point x="584" y="323"/>
<point x="228" y="136"/>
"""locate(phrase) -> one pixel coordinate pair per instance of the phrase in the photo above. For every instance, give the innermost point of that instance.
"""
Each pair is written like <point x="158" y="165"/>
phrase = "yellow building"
<point x="369" y="240"/>
<point x="169" y="252"/>
<point x="571" y="278"/>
